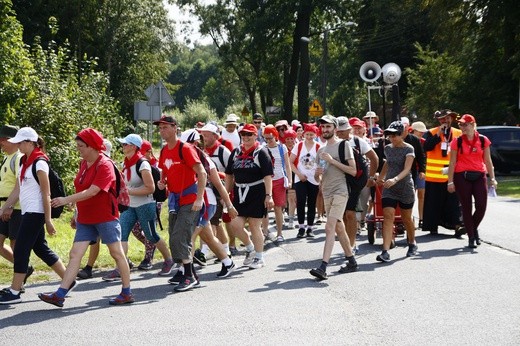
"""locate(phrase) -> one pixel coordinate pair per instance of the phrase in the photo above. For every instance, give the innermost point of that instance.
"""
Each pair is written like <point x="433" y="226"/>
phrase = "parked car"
<point x="505" y="146"/>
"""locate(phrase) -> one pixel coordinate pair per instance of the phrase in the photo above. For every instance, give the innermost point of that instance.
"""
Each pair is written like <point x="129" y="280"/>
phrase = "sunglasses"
<point x="257" y="122"/>
<point x="281" y="128"/>
<point x="246" y="134"/>
<point x="268" y="138"/>
<point x="464" y="124"/>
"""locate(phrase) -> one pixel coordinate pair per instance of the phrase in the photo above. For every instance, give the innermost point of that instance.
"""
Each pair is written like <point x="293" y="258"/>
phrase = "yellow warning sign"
<point x="315" y="110"/>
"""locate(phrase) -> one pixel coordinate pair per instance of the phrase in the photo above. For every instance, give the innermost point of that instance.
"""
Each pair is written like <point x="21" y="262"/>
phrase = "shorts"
<point x="10" y="228"/>
<point x="109" y="232"/>
<point x="215" y="220"/>
<point x="420" y="183"/>
<point x="210" y="209"/>
<point x="353" y="198"/>
<point x="279" y="193"/>
<point x="335" y="206"/>
<point x="392" y="203"/>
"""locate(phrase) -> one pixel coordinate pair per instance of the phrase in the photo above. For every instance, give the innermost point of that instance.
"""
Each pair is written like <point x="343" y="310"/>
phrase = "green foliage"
<point x="194" y="112"/>
<point x="434" y="83"/>
<point x="15" y="65"/>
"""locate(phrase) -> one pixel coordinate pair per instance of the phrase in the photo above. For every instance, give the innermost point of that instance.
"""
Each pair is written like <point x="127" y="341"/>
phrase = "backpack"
<point x="220" y="155"/>
<point x="459" y="143"/>
<point x="203" y="157"/>
<point x="158" y="194"/>
<point x="121" y="191"/>
<point x="55" y="183"/>
<point x="361" y="178"/>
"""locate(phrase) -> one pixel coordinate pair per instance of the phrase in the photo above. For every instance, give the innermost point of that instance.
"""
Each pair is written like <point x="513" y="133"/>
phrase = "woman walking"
<point x="470" y="160"/>
<point x="249" y="175"/>
<point x="396" y="179"/>
<point x="34" y="194"/>
<point x="97" y="216"/>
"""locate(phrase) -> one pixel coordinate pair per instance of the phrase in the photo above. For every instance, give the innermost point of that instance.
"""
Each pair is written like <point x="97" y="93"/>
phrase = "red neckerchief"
<point x="473" y="143"/>
<point x="153" y="161"/>
<point x="129" y="162"/>
<point x="27" y="161"/>
<point x="247" y="152"/>
<point x="211" y="150"/>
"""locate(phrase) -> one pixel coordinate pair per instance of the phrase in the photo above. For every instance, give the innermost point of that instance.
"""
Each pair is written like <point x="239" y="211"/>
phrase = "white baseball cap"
<point x="210" y="128"/>
<point x="24" y="134"/>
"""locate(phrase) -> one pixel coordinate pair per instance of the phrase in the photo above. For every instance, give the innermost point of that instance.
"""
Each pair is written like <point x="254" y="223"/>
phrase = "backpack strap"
<point x="221" y="156"/>
<point x="282" y="156"/>
<point x="341" y="152"/>
<point x="138" y="166"/>
<point x="297" y="160"/>
<point x="459" y="143"/>
<point x="35" y="175"/>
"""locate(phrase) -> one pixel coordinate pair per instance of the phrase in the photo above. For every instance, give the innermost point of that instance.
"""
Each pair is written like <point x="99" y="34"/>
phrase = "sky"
<point x="186" y="25"/>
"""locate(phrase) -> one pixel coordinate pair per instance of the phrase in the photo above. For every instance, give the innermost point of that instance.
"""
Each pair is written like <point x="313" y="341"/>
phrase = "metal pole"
<point x="324" y="70"/>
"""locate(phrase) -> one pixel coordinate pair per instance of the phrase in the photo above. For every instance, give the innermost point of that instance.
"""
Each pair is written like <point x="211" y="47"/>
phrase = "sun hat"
<point x="343" y="124"/>
<point x="419" y="126"/>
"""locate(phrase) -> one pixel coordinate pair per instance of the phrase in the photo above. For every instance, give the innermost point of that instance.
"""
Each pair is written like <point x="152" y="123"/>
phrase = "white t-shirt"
<point x="136" y="182"/>
<point x="278" y="167"/>
<point x="234" y="137"/>
<point x="306" y="162"/>
<point x="212" y="199"/>
<point x="30" y="198"/>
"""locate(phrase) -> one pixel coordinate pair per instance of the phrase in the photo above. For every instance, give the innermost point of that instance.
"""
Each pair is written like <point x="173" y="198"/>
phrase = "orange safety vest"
<point x="435" y="162"/>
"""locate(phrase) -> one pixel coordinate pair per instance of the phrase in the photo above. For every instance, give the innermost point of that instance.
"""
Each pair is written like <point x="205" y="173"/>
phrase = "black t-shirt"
<point x="250" y="168"/>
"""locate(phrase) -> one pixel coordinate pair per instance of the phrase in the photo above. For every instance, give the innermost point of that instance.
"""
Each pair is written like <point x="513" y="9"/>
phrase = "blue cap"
<point x="132" y="139"/>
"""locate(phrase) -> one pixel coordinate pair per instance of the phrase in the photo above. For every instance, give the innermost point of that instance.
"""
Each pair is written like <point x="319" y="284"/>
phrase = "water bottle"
<point x="492" y="191"/>
<point x="323" y="163"/>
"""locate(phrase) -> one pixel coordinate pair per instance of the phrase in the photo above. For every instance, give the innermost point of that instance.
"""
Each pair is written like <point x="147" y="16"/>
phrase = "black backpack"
<point x="361" y="178"/>
<point x="56" y="186"/>
<point x="158" y="194"/>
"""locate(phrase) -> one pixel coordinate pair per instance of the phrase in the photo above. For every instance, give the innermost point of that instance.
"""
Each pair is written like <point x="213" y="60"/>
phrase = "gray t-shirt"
<point x="403" y="190"/>
<point x="333" y="181"/>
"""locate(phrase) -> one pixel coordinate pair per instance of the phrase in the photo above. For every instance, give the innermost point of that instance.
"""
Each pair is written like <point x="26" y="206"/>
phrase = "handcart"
<point x="375" y="220"/>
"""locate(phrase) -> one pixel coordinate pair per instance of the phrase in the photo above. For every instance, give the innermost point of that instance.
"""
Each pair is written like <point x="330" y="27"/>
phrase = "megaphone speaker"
<point x="391" y="73"/>
<point x="370" y="71"/>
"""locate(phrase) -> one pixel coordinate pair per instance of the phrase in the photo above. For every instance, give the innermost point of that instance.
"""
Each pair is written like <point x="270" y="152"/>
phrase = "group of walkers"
<point x="222" y="180"/>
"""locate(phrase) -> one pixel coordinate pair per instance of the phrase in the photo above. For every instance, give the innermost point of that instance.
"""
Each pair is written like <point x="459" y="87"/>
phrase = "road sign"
<point x="160" y="96"/>
<point x="147" y="113"/>
<point x="245" y="112"/>
<point x="273" y="111"/>
<point x="315" y="110"/>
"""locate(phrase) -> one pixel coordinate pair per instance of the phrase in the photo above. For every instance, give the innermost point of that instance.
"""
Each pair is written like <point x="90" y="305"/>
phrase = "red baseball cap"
<point x="467" y="118"/>
<point x="249" y="128"/>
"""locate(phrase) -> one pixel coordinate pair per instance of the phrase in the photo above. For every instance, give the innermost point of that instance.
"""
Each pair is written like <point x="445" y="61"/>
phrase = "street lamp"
<point x="325" y="58"/>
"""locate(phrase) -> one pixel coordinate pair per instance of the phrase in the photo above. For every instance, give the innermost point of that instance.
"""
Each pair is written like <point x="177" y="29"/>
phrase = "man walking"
<point x="331" y="173"/>
<point x="184" y="176"/>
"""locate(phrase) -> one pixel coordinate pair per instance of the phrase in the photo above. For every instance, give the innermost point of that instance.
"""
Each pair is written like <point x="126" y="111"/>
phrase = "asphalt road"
<point x="446" y="295"/>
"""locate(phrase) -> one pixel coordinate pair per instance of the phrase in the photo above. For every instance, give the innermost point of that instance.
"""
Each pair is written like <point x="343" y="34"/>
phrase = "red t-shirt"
<point x="103" y="206"/>
<point x="470" y="157"/>
<point x="179" y="175"/>
<point x="227" y="143"/>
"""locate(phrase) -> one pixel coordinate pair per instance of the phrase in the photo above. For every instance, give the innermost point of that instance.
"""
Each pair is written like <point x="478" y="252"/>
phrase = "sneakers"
<point x="7" y="297"/>
<point x="319" y="273"/>
<point x="166" y="268"/>
<point x="177" y="278"/>
<point x="233" y="251"/>
<point x="310" y="233"/>
<point x="459" y="231"/>
<point x="249" y="258"/>
<point x="280" y="239"/>
<point x="145" y="265"/>
<point x="348" y="268"/>
<point x="290" y="224"/>
<point x="412" y="250"/>
<point x="199" y="258"/>
<point x="355" y="250"/>
<point x="122" y="299"/>
<point x="131" y="264"/>
<point x="85" y="273"/>
<point x="301" y="233"/>
<point x="112" y="276"/>
<point x="188" y="283"/>
<point x="29" y="272"/>
<point x="226" y="270"/>
<point x="383" y="257"/>
<point x="52" y="298"/>
<point x="257" y="263"/>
